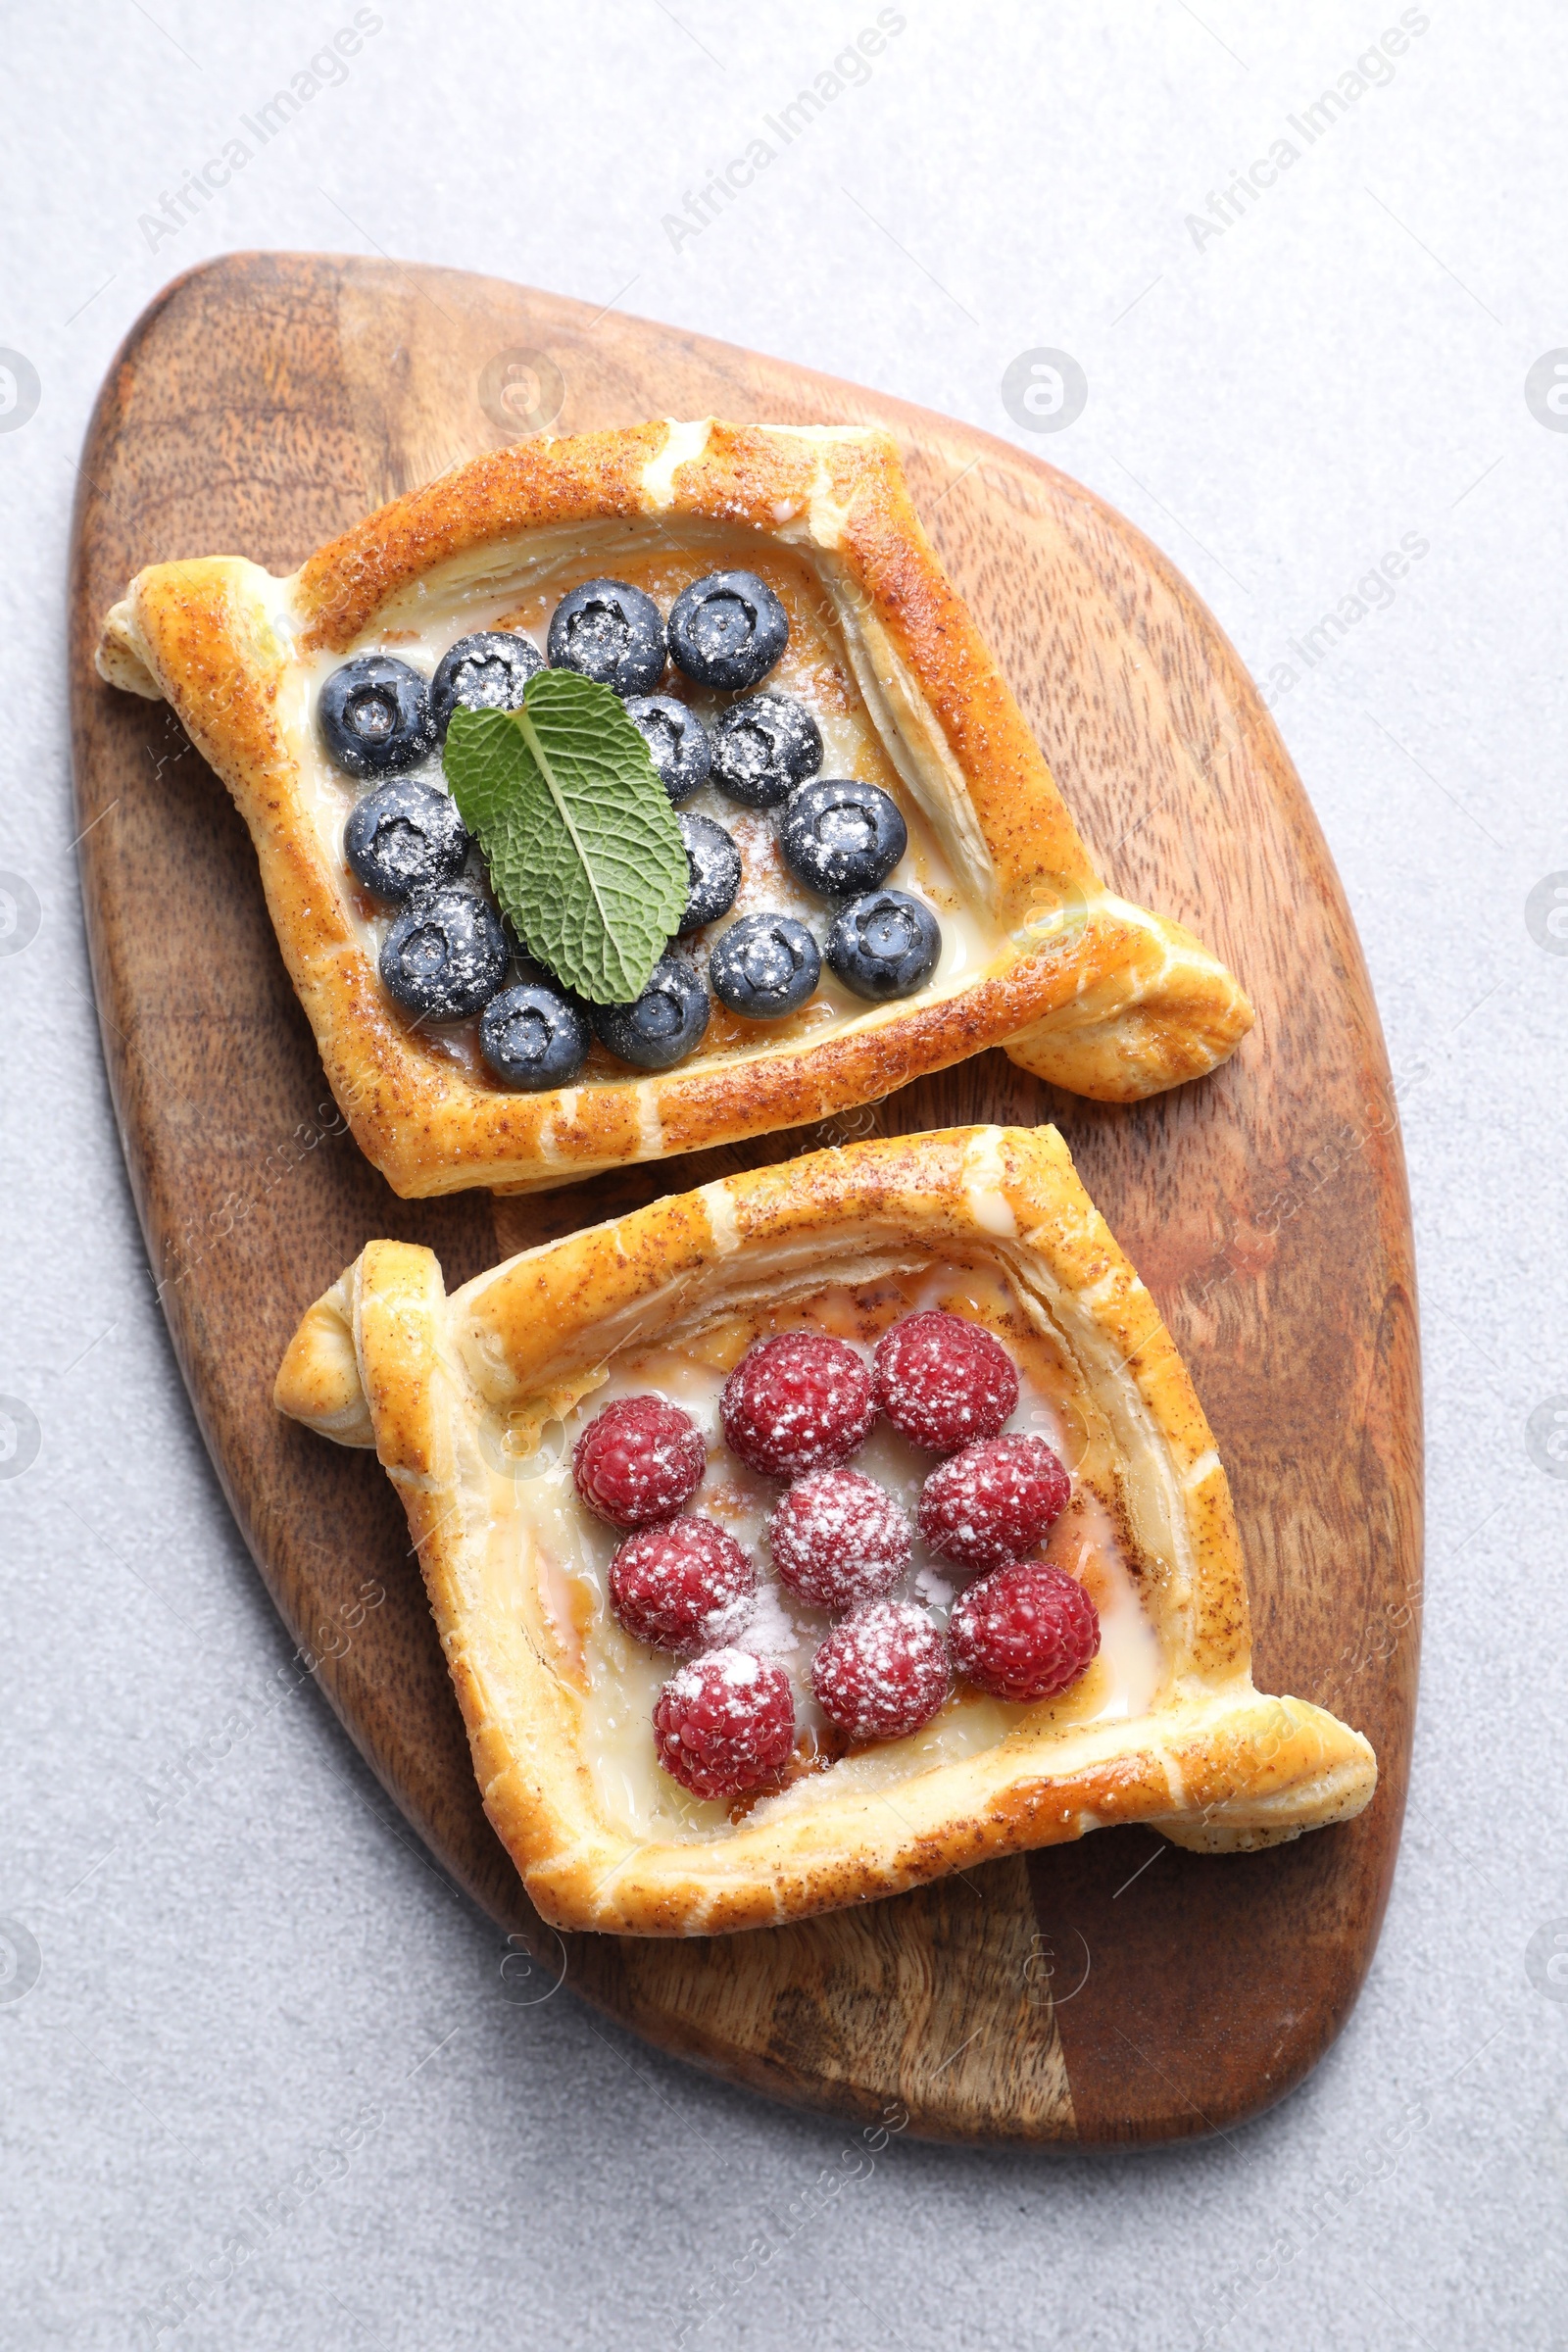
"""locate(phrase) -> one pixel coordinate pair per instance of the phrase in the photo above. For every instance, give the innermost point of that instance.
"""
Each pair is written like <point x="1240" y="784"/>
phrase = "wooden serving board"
<point x="1119" y="1990"/>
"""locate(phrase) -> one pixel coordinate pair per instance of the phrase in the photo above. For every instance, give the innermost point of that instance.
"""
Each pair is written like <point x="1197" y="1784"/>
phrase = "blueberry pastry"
<point x="620" y="663"/>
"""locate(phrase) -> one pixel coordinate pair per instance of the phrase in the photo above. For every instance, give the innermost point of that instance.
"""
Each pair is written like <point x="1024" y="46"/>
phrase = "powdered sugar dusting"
<point x="725" y="1724"/>
<point x="838" y="1537"/>
<point x="797" y="1401"/>
<point x="944" y="1381"/>
<point x="638" y="1460"/>
<point x="883" y="1672"/>
<point x="1025" y="1631"/>
<point x="768" y="1627"/>
<point x="779" y="1628"/>
<point x="993" y="1502"/>
<point x="737" y="1669"/>
<point x="683" y="1584"/>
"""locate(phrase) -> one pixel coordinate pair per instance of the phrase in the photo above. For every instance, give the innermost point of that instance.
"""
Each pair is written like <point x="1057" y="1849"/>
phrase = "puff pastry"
<point x="1081" y="987"/>
<point x="454" y="1392"/>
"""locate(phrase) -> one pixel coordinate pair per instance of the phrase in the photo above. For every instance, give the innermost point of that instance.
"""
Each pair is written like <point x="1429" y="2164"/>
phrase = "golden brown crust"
<point x="1082" y="988"/>
<point x="536" y="483"/>
<point x="440" y="1379"/>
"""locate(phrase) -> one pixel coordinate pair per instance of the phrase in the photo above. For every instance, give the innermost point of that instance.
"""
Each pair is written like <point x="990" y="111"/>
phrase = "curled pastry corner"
<point x="121" y="657"/>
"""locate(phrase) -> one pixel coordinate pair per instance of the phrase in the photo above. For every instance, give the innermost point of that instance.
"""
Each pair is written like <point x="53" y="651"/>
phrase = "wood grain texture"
<point x="259" y="406"/>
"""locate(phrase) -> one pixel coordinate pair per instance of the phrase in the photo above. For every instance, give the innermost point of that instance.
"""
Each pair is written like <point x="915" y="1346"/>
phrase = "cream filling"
<point x="424" y="621"/>
<point x="684" y="443"/>
<point x="547" y="1563"/>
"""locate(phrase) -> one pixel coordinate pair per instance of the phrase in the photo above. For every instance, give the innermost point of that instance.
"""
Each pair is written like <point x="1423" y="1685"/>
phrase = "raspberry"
<point x="838" y="1537"/>
<point x="676" y="1585"/>
<point x="797" y="1402"/>
<point x="1024" y="1631"/>
<point x="882" y="1673"/>
<point x="943" y="1382"/>
<point x="724" y="1721"/>
<point x="991" y="1502"/>
<point x="639" y="1460"/>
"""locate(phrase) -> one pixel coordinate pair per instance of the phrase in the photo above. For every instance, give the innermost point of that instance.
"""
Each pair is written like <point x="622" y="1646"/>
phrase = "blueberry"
<point x="486" y="673"/>
<point x="728" y="630"/>
<point x="534" y="1037"/>
<point x="713" y="863"/>
<point x="446" y="955"/>
<point x="664" y="1023"/>
<point x="765" y="965"/>
<point x="678" y="739"/>
<point x="885" y="944"/>
<point x="611" y="632"/>
<point x="374" y="716"/>
<point x="838" y="837"/>
<point x="404" y="836"/>
<point x="763" y="747"/>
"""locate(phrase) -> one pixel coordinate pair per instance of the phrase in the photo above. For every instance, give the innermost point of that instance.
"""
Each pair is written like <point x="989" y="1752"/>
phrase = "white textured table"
<point x="262" y="2078"/>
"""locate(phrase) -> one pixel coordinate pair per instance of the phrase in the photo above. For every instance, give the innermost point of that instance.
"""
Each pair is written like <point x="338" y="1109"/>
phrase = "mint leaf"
<point x="585" y="853"/>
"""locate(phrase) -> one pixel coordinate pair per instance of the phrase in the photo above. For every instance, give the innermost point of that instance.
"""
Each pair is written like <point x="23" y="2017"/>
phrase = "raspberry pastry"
<point x="629" y="794"/>
<point x="716" y="1672"/>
